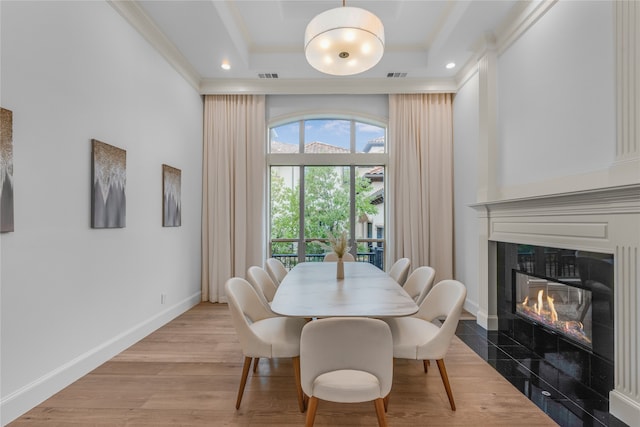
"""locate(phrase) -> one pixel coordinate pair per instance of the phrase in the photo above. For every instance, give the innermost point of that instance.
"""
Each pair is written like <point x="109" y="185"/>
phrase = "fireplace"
<point x="559" y="303"/>
<point x="588" y="238"/>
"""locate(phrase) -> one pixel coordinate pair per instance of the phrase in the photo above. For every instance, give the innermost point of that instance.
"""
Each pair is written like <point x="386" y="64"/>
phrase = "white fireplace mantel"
<point x="603" y="220"/>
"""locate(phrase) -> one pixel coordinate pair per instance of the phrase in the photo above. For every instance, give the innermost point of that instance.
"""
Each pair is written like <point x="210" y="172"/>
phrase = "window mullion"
<point x="302" y="249"/>
<point x="301" y="244"/>
<point x="352" y="194"/>
<point x="352" y="211"/>
<point x="301" y="137"/>
<point x="352" y="139"/>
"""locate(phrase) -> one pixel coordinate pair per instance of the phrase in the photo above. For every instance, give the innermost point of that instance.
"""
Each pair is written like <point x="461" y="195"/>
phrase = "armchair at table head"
<point x="419" y="283"/>
<point x="276" y="270"/>
<point x="346" y="360"/>
<point x="419" y="338"/>
<point x="262" y="333"/>
<point x="333" y="257"/>
<point x="399" y="270"/>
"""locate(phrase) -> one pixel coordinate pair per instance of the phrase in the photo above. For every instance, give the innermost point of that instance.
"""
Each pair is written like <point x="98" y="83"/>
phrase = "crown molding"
<point x="328" y="86"/>
<point x="138" y="19"/>
<point x="512" y="29"/>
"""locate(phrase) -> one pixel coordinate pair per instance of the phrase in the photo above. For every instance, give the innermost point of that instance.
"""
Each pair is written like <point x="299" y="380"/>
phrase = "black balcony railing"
<point x="375" y="257"/>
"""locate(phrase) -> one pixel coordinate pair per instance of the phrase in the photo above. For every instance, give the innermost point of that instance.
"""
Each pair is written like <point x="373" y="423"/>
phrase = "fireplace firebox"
<point x="560" y="307"/>
<point x="559" y="303"/>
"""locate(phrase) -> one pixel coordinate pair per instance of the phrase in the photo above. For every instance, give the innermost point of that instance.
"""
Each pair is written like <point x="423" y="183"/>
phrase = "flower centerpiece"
<point x="337" y="244"/>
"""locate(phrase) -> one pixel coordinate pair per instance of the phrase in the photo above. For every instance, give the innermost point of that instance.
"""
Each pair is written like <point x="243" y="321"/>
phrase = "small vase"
<point x="340" y="269"/>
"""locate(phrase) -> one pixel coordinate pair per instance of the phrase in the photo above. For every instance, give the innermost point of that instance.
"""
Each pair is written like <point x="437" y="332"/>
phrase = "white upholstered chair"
<point x="419" y="283"/>
<point x="333" y="257"/>
<point x="417" y="338"/>
<point x="262" y="283"/>
<point x="261" y="332"/>
<point x="276" y="270"/>
<point x="399" y="270"/>
<point x="346" y="360"/>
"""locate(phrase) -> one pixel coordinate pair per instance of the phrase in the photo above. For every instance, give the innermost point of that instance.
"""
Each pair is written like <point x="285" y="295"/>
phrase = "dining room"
<point x="119" y="314"/>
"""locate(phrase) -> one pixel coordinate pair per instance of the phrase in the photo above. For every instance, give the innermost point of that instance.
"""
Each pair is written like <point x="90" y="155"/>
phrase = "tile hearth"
<point x="567" y="402"/>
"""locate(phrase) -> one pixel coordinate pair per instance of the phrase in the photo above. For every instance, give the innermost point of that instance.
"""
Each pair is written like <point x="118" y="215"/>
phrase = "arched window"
<point x="327" y="176"/>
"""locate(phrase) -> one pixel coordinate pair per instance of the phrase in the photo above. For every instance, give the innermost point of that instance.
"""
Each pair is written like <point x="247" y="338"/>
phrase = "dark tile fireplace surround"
<point x="583" y="371"/>
<point x="590" y="272"/>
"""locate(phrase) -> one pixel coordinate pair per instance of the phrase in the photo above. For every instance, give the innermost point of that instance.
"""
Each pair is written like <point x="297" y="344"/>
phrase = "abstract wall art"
<point x="6" y="170"/>
<point x="109" y="173"/>
<point x="171" y="205"/>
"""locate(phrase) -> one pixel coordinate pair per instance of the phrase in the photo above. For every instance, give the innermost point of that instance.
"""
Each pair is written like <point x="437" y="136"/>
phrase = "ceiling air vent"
<point x="268" y="75"/>
<point x="396" y="75"/>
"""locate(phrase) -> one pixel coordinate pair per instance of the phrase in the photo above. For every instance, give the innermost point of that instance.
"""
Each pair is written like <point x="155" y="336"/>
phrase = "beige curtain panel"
<point x="233" y="189"/>
<point x="421" y="200"/>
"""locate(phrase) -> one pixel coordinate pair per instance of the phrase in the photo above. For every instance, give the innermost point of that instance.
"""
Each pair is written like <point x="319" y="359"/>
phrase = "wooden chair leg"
<point x="445" y="381"/>
<point x="426" y="364"/>
<point x="382" y="420"/>
<point x="296" y="374"/>
<point x="386" y="402"/>
<point x="311" y="411"/>
<point x="243" y="380"/>
<point x="255" y="364"/>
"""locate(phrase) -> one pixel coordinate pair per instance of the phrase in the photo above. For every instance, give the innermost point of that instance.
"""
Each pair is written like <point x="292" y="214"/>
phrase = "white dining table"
<point x="311" y="289"/>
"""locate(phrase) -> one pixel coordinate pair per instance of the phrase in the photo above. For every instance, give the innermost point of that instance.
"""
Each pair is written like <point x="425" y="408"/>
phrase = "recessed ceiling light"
<point x="225" y="65"/>
<point x="450" y="65"/>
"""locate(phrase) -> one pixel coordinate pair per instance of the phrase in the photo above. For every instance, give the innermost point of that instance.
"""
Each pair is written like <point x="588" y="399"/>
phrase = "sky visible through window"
<point x="334" y="132"/>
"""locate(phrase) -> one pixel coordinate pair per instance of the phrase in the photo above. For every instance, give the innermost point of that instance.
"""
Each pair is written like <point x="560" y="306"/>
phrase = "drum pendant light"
<point x="344" y="41"/>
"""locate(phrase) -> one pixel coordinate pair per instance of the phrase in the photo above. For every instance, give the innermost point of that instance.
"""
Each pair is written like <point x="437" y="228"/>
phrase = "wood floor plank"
<point x="187" y="374"/>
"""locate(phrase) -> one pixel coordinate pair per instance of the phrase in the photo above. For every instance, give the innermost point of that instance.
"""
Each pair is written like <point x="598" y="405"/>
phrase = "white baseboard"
<point x="472" y="307"/>
<point x="624" y="408"/>
<point x="31" y="395"/>
<point x="489" y="322"/>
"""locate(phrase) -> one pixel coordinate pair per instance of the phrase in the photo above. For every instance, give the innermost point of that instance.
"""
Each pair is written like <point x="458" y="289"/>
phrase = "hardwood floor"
<point x="187" y="374"/>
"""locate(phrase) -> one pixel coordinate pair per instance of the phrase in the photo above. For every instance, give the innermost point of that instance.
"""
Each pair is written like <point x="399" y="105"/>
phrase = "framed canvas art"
<point x="108" y="201"/>
<point x="6" y="170"/>
<point x="171" y="206"/>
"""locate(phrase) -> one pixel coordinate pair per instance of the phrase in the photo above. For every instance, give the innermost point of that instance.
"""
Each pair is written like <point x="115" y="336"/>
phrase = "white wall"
<point x="73" y="296"/>
<point x="556" y="89"/>
<point x="465" y="159"/>
<point x="555" y="122"/>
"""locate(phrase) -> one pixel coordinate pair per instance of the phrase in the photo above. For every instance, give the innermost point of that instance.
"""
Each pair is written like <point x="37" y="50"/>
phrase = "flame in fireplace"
<point x="539" y="306"/>
<point x="552" y="309"/>
<point x="547" y="314"/>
